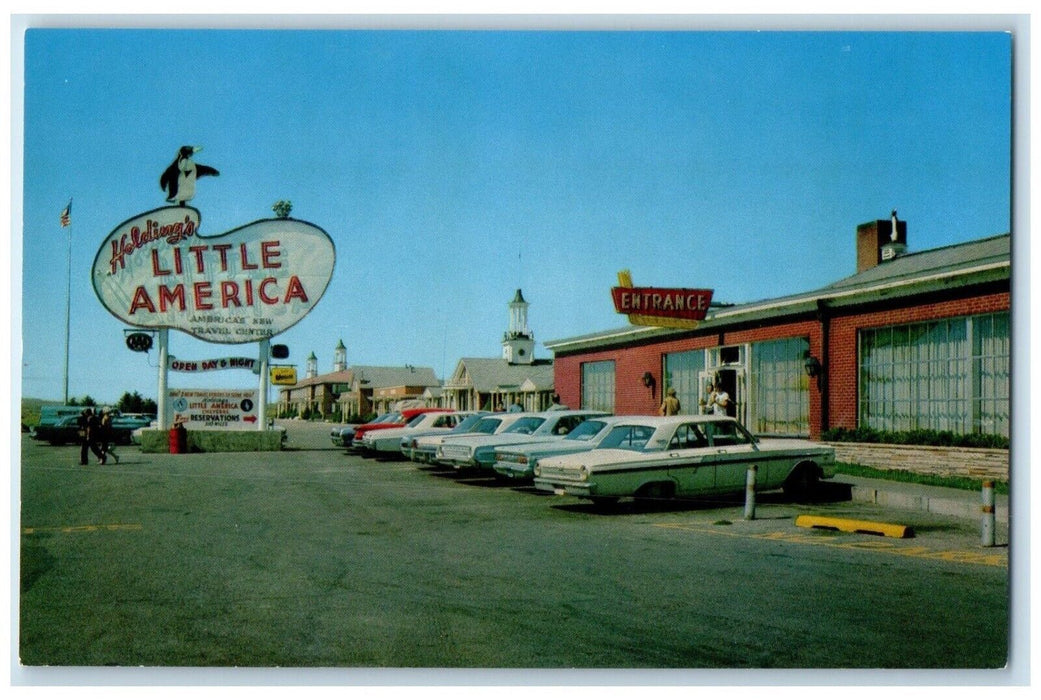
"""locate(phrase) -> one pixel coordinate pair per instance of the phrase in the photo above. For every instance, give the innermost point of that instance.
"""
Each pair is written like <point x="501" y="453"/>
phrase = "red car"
<point x="396" y="419"/>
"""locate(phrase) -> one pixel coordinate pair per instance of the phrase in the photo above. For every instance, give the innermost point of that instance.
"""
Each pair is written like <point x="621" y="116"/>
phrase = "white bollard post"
<point x="750" y="492"/>
<point x="987" y="524"/>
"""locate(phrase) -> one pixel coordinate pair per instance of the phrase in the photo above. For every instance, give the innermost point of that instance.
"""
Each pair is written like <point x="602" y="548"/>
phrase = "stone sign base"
<point x="216" y="441"/>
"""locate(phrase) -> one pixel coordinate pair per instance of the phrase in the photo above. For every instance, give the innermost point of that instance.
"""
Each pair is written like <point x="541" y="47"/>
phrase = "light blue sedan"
<point x="517" y="462"/>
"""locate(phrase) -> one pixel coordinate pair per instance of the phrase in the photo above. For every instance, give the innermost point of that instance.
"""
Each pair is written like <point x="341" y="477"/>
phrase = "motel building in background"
<point x="911" y="341"/>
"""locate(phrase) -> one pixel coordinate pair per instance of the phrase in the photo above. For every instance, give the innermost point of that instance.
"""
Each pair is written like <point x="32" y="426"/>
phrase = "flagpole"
<point x="68" y="298"/>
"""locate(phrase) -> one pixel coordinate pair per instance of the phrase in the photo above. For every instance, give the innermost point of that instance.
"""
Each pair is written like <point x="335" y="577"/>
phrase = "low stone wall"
<point x="216" y="441"/>
<point x="939" y="461"/>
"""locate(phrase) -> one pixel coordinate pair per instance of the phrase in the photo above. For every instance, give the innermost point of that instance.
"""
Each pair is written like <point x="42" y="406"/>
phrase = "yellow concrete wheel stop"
<point x="864" y="527"/>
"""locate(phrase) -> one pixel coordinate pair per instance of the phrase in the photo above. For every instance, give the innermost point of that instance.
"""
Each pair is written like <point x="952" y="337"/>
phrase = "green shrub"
<point x="933" y="438"/>
<point x="964" y="483"/>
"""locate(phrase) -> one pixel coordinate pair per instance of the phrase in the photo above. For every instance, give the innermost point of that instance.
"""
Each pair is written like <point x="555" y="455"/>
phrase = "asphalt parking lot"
<point x="312" y="558"/>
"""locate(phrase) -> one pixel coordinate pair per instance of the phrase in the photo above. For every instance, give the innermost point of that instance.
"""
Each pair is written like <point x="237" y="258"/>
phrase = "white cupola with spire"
<point x="340" y="357"/>
<point x="312" y="366"/>
<point x="518" y="344"/>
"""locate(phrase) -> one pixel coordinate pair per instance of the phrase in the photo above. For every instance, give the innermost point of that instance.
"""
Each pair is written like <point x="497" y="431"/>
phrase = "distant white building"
<point x="515" y="379"/>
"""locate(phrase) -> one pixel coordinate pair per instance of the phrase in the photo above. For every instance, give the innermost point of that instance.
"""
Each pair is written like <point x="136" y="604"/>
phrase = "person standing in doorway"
<point x="706" y="402"/>
<point x="721" y="403"/>
<point x="671" y="405"/>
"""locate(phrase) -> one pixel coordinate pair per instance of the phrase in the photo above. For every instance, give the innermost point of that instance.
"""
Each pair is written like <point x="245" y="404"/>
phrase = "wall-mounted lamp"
<point x="812" y="366"/>
<point x="648" y="381"/>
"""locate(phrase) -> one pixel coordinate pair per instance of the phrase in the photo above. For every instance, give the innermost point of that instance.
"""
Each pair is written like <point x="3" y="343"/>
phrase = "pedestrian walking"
<point x="89" y="428"/>
<point x="106" y="437"/>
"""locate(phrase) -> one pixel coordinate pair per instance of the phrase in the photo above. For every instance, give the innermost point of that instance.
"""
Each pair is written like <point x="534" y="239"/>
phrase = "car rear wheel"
<point x="802" y="482"/>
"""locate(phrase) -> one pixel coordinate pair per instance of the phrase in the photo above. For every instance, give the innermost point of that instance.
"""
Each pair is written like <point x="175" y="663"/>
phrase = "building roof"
<point x="494" y="374"/>
<point x="375" y="377"/>
<point x="980" y="261"/>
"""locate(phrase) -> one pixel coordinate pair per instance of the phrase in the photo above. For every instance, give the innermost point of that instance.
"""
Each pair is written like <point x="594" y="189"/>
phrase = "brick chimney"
<point x="876" y="242"/>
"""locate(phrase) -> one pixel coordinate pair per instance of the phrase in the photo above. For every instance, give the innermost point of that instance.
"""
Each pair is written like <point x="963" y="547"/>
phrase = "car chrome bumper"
<point x="513" y="471"/>
<point x="570" y="488"/>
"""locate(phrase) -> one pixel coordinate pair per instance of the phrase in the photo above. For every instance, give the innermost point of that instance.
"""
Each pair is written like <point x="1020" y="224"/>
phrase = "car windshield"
<point x="628" y="437"/>
<point x="525" y="426"/>
<point x="416" y="420"/>
<point x="586" y="430"/>
<point x="724" y="433"/>
<point x="487" y="425"/>
<point x="467" y="424"/>
<point x="560" y="425"/>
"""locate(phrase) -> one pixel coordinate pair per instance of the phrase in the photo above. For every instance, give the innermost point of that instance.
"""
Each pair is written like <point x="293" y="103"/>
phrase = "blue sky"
<point x="453" y="167"/>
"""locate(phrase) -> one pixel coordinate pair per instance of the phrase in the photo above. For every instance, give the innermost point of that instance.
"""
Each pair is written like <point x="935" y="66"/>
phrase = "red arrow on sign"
<point x="250" y="419"/>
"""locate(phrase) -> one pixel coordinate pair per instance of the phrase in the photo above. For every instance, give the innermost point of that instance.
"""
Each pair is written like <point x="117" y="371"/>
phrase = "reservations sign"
<point x="156" y="271"/>
<point x="657" y="306"/>
<point x="224" y="409"/>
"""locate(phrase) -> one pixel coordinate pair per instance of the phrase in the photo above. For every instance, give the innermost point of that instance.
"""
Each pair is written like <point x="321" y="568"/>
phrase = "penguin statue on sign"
<point x="179" y="179"/>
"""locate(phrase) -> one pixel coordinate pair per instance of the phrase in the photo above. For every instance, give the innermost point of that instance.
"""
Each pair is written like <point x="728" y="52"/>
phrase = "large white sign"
<point x="156" y="271"/>
<point x="215" y="409"/>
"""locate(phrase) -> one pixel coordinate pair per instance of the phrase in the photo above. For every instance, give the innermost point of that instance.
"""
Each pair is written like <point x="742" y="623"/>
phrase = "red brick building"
<point x="913" y="340"/>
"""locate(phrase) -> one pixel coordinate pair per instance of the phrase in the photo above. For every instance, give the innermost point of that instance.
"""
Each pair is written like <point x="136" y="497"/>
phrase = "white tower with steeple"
<point x="340" y="357"/>
<point x="311" y="369"/>
<point x="518" y="344"/>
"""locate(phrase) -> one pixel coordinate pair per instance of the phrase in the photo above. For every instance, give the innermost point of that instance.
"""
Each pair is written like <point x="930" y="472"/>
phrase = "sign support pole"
<point x="68" y="310"/>
<point x="164" y="368"/>
<point x="265" y="352"/>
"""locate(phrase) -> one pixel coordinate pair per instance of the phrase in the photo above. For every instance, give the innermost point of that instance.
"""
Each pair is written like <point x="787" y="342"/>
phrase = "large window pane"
<point x="681" y="374"/>
<point x="598" y="386"/>
<point x="942" y="375"/>
<point x="781" y="397"/>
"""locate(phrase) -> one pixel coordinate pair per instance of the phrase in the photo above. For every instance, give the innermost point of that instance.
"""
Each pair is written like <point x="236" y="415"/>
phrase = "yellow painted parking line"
<point x="76" y="529"/>
<point x="957" y="556"/>
<point x="864" y="527"/>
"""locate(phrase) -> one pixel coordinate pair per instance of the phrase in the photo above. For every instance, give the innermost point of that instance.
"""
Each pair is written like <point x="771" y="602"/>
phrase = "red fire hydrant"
<point x="178" y="439"/>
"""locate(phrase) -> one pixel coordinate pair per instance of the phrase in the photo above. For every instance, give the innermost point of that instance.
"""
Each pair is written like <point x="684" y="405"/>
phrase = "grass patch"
<point x="952" y="482"/>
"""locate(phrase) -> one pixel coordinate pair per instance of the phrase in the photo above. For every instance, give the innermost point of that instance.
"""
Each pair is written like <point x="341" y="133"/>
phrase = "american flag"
<point x="66" y="215"/>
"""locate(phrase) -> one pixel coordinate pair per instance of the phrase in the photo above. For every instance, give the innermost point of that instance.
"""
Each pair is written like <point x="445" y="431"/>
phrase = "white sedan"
<point x="425" y="448"/>
<point x="652" y="457"/>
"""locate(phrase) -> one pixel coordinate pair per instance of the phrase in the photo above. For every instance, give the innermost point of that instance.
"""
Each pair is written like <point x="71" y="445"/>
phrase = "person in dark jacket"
<point x="90" y="429"/>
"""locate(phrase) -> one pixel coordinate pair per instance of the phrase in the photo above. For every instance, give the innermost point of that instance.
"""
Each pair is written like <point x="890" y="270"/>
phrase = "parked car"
<point x="50" y="415"/>
<point x="342" y="435"/>
<point x="135" y="434"/>
<point x="388" y="442"/>
<point x="124" y="424"/>
<point x="66" y="429"/>
<point x="396" y="419"/>
<point x="424" y="448"/>
<point x="646" y="457"/>
<point x="478" y="451"/>
<point x="63" y="430"/>
<point x="517" y="462"/>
